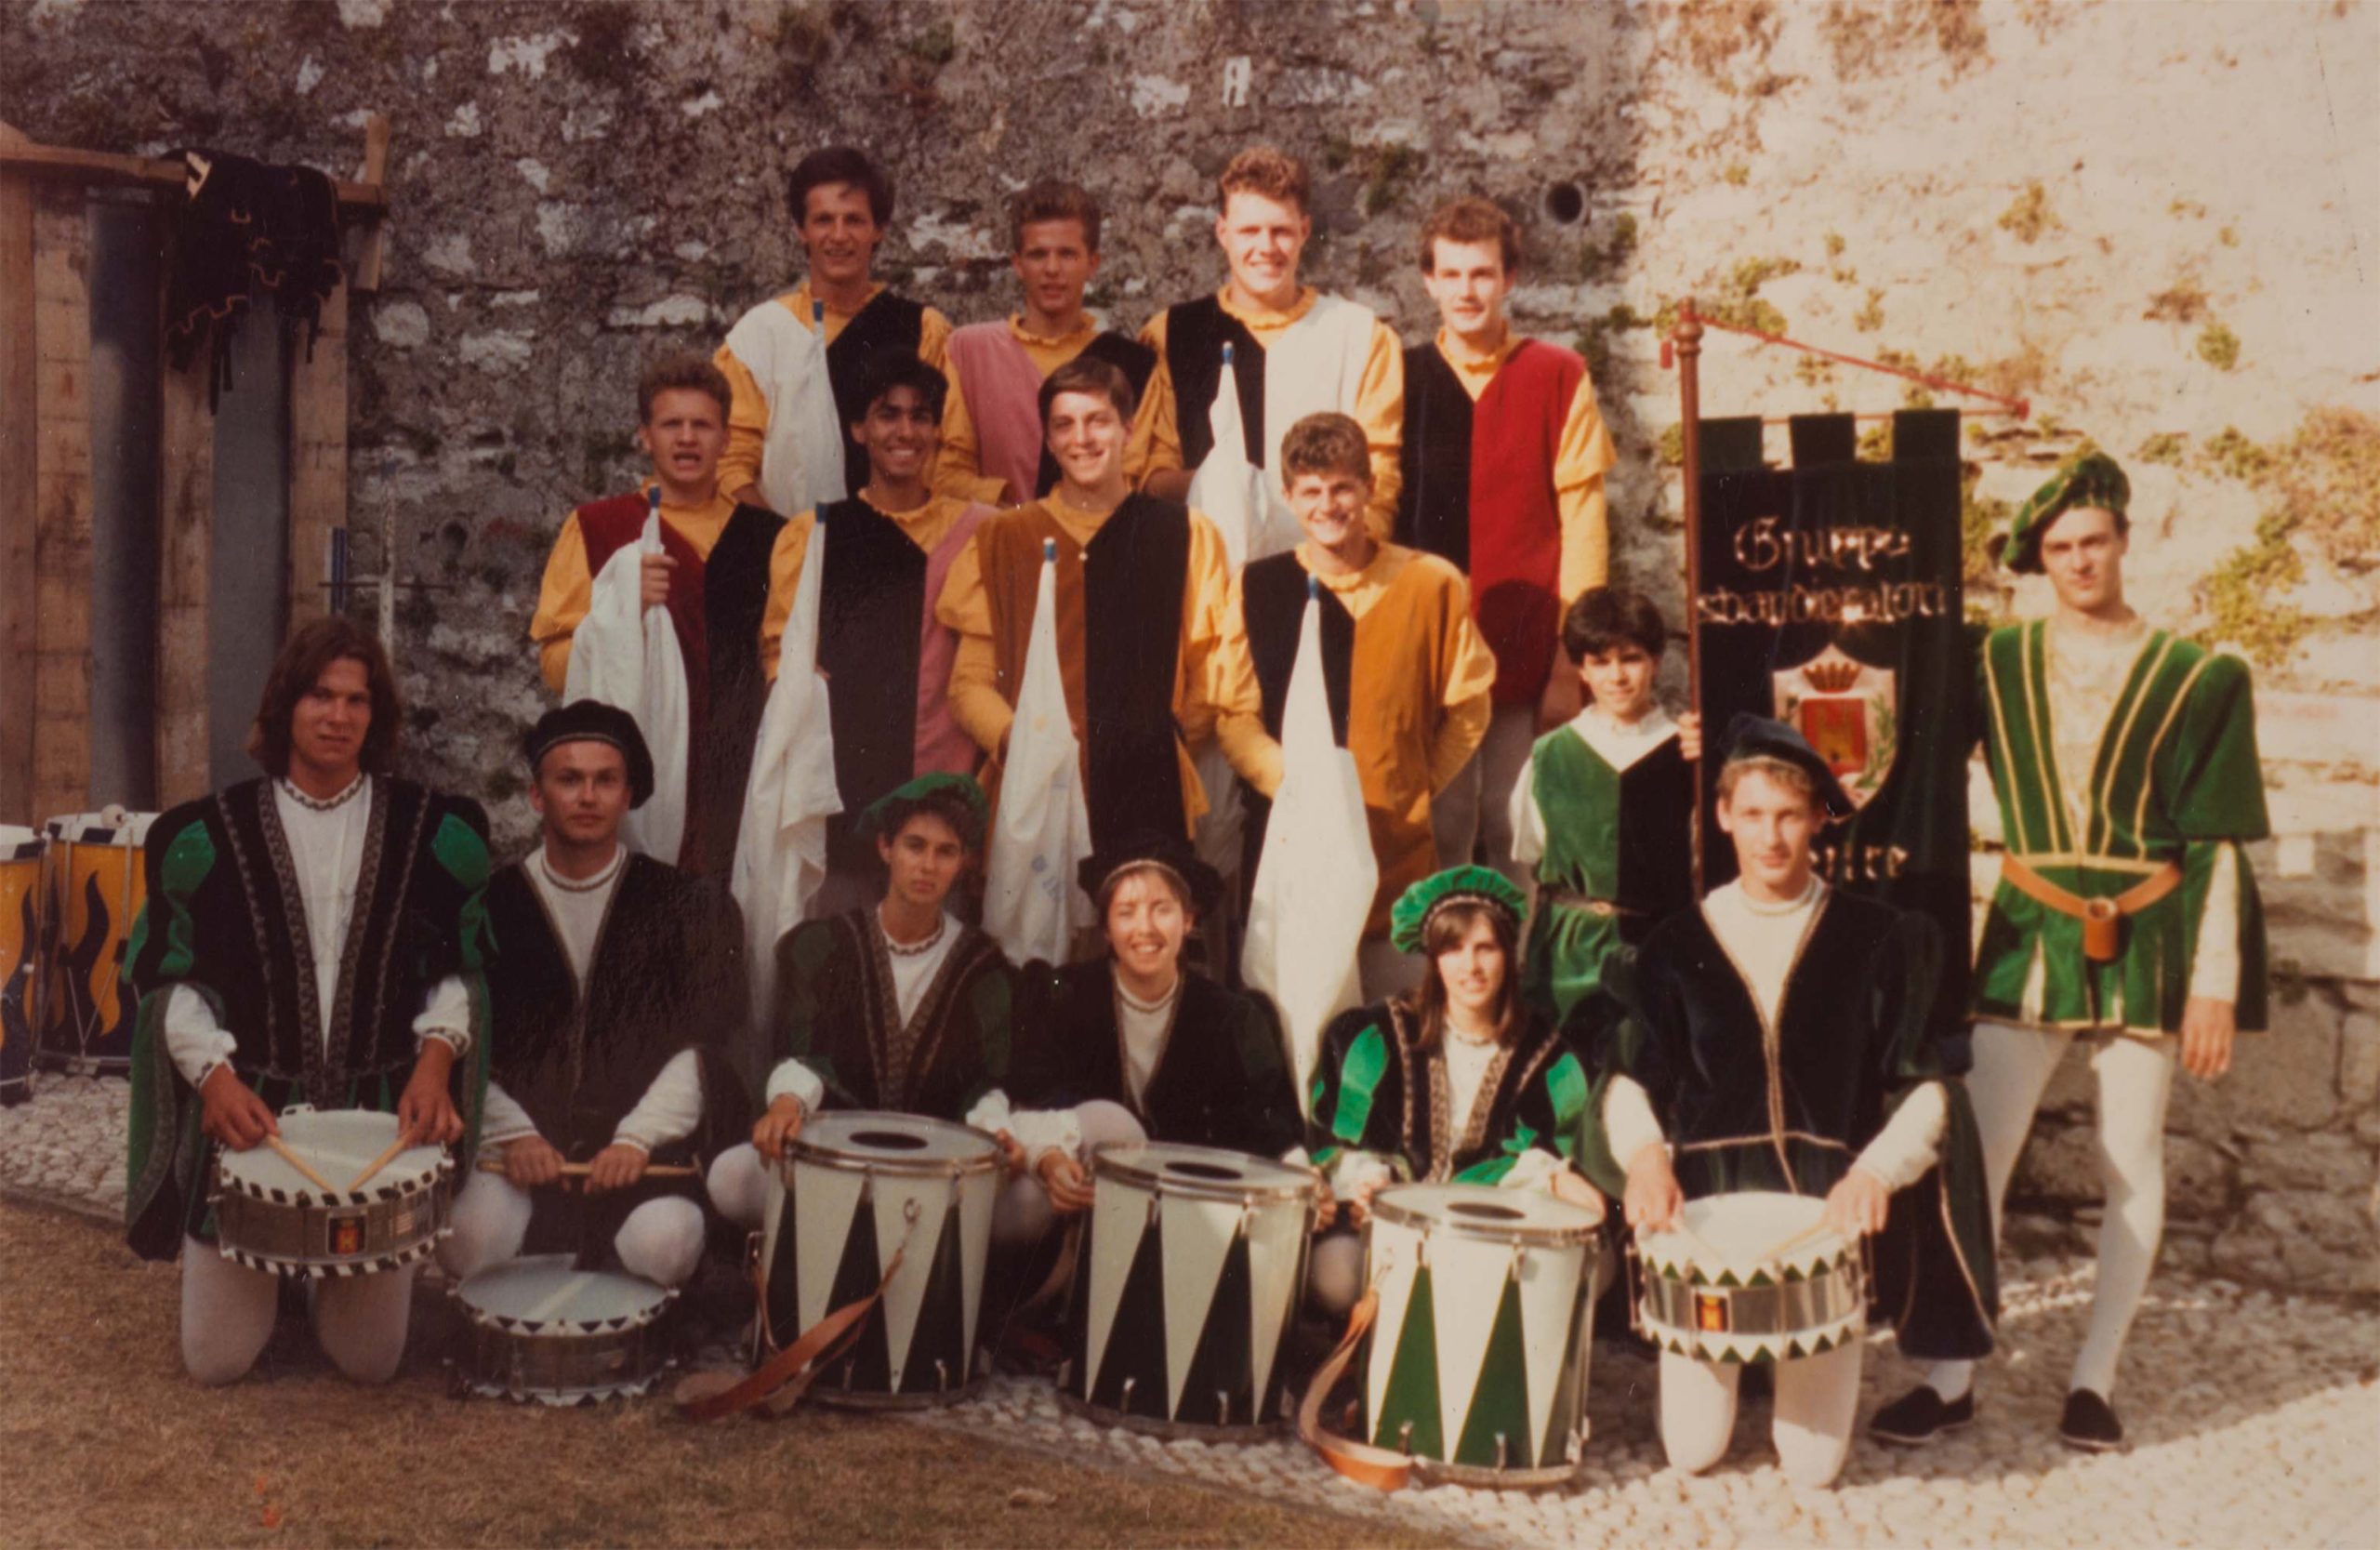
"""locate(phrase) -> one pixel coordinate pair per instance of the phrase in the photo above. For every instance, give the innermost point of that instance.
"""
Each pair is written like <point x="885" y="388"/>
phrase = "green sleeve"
<point x="989" y="1002"/>
<point x="2218" y="780"/>
<point x="1346" y="1082"/>
<point x="803" y="962"/>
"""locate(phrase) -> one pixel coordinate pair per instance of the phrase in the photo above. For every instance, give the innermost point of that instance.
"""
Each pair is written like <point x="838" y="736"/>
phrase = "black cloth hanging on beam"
<point x="251" y="229"/>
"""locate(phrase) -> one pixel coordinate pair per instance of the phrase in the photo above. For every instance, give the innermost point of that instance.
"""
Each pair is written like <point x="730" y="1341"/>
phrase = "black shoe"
<point x="1921" y="1415"/>
<point x="2090" y="1424"/>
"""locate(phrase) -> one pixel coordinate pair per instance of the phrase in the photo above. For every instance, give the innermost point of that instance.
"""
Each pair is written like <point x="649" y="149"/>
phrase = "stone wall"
<point x="2155" y="222"/>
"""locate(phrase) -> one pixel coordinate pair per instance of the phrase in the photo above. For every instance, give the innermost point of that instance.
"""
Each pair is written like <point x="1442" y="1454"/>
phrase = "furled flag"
<point x="627" y="655"/>
<point x="781" y="846"/>
<point x="1232" y="493"/>
<point x="802" y="456"/>
<point x="1032" y="906"/>
<point x="1316" y="877"/>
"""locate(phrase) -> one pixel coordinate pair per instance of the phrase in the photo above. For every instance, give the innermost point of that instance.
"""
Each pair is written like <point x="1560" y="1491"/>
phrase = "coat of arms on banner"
<point x="1849" y="713"/>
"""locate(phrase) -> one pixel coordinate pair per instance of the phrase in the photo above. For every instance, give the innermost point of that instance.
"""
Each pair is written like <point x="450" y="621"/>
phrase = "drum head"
<point x="1482" y="1211"/>
<point x="1207" y="1172"/>
<point x="892" y="1143"/>
<point x="1743" y="1227"/>
<point x="542" y="1295"/>
<point x="338" y="1144"/>
<point x="19" y="843"/>
<point x="117" y="828"/>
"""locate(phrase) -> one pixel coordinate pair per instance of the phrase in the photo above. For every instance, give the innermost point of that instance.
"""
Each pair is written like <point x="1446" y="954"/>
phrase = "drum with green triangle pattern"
<point x="1753" y="1275"/>
<point x="1479" y="1352"/>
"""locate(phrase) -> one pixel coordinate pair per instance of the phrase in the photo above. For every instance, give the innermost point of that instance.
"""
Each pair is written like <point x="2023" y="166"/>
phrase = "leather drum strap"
<point x="784" y="1377"/>
<point x="1380" y="1468"/>
<point x="2101" y="918"/>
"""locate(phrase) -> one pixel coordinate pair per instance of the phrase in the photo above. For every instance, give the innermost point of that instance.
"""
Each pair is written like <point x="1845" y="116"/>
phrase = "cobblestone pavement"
<point x="2253" y="1419"/>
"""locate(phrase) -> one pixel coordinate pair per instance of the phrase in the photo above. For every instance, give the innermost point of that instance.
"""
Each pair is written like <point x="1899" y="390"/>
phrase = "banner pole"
<point x="1688" y="339"/>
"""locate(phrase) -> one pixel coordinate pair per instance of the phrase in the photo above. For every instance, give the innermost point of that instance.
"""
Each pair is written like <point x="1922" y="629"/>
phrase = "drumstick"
<point x="280" y="1149"/>
<point x="580" y="1170"/>
<point x="1800" y="1238"/>
<point x="405" y="1139"/>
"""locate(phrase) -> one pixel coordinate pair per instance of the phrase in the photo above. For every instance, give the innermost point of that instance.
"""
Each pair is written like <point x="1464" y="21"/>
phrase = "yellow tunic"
<point x="747" y="417"/>
<point x="925" y="527"/>
<point x="1379" y="407"/>
<point x="959" y="470"/>
<point x="567" y="589"/>
<point x="983" y="707"/>
<point x="1416" y="650"/>
<point x="1580" y="460"/>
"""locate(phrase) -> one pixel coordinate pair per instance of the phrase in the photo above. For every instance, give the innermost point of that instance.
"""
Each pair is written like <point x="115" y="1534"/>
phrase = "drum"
<point x="857" y="1188"/>
<point x="269" y="1217"/>
<point x="20" y="914"/>
<point x="543" y="1329"/>
<point x="1191" y="1265"/>
<point x="96" y="887"/>
<point x="1754" y="1277"/>
<point x="1479" y="1362"/>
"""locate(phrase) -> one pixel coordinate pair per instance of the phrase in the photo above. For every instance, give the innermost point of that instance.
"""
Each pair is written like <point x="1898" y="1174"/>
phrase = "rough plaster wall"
<point x="2156" y="222"/>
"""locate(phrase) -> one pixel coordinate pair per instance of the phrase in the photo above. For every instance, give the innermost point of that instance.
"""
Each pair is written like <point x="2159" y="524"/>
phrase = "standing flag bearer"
<point x="2125" y="759"/>
<point x="992" y="447"/>
<point x="1503" y="460"/>
<point x="795" y="363"/>
<point x="718" y="563"/>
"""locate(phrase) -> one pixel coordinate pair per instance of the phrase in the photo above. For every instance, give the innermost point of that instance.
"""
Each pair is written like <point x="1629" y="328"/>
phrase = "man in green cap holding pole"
<point x="2125" y="759"/>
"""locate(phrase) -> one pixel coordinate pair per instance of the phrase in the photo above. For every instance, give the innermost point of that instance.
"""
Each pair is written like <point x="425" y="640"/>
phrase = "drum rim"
<point x="803" y="1148"/>
<point x="559" y="1326"/>
<point x="389" y="1184"/>
<point x="1105" y="1166"/>
<point x="1386" y="1207"/>
<point x="1669" y="1246"/>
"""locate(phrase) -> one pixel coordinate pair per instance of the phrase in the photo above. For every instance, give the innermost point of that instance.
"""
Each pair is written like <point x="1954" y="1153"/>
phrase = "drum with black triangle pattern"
<point x="1479" y="1351"/>
<point x="858" y="1188"/>
<point x="1191" y="1267"/>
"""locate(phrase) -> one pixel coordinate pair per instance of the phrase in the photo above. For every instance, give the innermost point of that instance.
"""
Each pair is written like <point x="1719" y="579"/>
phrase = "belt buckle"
<point x="2102" y="923"/>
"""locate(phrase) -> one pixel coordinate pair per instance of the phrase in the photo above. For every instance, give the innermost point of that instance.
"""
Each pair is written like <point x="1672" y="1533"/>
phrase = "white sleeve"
<point x="1354" y="1170"/>
<point x="446" y="1013"/>
<point x="670" y="1109"/>
<point x="195" y="1041"/>
<point x="1039" y="1130"/>
<point x="1910" y="1142"/>
<point x="1528" y="820"/>
<point x="1298" y="1156"/>
<point x="793" y="1080"/>
<point x="502" y="1118"/>
<point x="1627" y="1122"/>
<point x="2215" y="973"/>
<point x="1534" y="1169"/>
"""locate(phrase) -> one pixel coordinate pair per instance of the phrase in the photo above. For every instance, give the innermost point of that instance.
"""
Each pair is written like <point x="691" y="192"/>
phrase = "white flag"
<point x="781" y="846"/>
<point x="1033" y="906"/>
<point x="627" y="655"/>
<point x="1317" y="875"/>
<point x="1232" y="493"/>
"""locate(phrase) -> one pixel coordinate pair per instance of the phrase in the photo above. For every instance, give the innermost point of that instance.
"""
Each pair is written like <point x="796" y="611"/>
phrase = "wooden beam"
<point x="87" y="168"/>
<point x="317" y="460"/>
<point x="61" y="728"/>
<point x="20" y="443"/>
<point x="185" y="543"/>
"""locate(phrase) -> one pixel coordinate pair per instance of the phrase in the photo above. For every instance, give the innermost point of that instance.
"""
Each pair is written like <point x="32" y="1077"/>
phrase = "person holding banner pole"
<point x="2125" y="759"/>
<point x="718" y="564"/>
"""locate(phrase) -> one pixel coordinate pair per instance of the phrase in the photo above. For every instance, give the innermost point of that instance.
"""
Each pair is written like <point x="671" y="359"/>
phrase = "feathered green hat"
<point x="2089" y="477"/>
<point x="888" y="813"/>
<point x="1408" y="923"/>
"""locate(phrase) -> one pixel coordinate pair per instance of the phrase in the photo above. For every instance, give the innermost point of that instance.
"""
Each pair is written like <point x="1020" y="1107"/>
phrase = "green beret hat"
<point x="2089" y="477"/>
<point x="1409" y="922"/>
<point x="888" y="813"/>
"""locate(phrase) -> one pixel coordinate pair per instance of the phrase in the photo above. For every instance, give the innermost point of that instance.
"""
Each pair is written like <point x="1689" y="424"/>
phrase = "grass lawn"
<point x="112" y="1446"/>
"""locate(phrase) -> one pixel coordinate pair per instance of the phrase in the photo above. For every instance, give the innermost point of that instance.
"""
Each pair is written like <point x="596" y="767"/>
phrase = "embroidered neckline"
<point x="578" y="885"/>
<point x="914" y="949"/>
<point x="322" y="805"/>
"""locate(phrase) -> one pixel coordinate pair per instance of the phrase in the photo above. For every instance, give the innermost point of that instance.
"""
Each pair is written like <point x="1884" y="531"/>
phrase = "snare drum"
<point x="1190" y="1270"/>
<point x="545" y="1331"/>
<point x="20" y="907"/>
<point x="96" y="888"/>
<point x="1765" y="1283"/>
<point x="1479" y="1351"/>
<point x="269" y="1217"/>
<point x="860" y="1188"/>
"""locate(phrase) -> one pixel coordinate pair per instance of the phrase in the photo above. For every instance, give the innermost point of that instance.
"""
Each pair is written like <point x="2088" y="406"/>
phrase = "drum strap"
<point x="781" y="1381"/>
<point x="1380" y="1468"/>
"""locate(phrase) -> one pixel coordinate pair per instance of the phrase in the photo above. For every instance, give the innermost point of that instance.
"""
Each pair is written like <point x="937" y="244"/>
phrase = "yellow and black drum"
<point x="95" y="887"/>
<point x="21" y="908"/>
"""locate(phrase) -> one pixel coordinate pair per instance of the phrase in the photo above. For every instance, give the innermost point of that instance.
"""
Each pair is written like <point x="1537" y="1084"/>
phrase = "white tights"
<point x="1816" y="1397"/>
<point x="228" y="1313"/>
<point x="2012" y="1067"/>
<point x="661" y="1241"/>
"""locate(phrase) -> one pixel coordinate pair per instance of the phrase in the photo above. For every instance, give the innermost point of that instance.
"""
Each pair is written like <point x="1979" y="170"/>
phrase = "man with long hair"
<point x="317" y="937"/>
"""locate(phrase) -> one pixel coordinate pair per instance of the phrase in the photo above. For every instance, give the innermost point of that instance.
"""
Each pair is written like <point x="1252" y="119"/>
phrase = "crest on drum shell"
<point x="1849" y="712"/>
